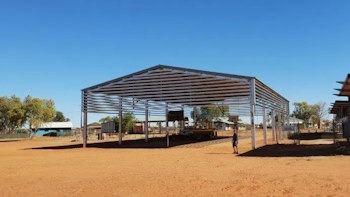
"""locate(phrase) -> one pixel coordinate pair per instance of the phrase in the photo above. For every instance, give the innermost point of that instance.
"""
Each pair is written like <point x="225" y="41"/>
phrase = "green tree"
<point x="319" y="112"/>
<point x="128" y="121"/>
<point x="11" y="113"/>
<point x="16" y="113"/>
<point x="106" y="119"/>
<point x="59" y="117"/>
<point x="303" y="111"/>
<point x="4" y="116"/>
<point x="315" y="113"/>
<point x="38" y="111"/>
<point x="210" y="113"/>
<point x="49" y="110"/>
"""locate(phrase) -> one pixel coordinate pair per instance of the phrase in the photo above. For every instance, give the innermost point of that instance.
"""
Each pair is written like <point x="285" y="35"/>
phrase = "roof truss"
<point x="180" y="87"/>
<point x="345" y="90"/>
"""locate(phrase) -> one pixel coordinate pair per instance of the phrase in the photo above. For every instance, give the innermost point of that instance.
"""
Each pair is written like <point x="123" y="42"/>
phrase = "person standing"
<point x="235" y="141"/>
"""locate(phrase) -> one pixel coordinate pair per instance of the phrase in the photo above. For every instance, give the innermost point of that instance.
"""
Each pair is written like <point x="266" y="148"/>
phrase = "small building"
<point x="53" y="129"/>
<point x="224" y="124"/>
<point x="295" y="121"/>
<point x="227" y="125"/>
<point x="94" y="127"/>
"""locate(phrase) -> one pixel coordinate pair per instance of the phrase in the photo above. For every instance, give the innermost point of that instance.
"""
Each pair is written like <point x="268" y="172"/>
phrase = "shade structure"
<point x="159" y="87"/>
<point x="345" y="90"/>
<point x="341" y="109"/>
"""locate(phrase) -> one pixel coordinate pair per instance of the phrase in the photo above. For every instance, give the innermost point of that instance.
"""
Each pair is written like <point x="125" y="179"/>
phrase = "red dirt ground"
<point x="204" y="169"/>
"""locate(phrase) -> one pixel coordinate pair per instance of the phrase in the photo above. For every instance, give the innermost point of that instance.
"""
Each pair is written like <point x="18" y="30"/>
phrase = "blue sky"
<point x="53" y="49"/>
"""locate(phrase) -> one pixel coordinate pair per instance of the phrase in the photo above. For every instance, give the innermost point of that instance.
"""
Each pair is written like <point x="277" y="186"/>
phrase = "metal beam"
<point x="85" y="114"/>
<point x="167" y="125"/>
<point x="85" y="129"/>
<point x="273" y="122"/>
<point x="120" y="125"/>
<point x="264" y="126"/>
<point x="146" y="121"/>
<point x="348" y="123"/>
<point x="252" y="111"/>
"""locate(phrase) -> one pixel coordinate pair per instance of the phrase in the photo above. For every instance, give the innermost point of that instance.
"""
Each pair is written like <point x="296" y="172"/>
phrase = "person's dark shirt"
<point x="235" y="137"/>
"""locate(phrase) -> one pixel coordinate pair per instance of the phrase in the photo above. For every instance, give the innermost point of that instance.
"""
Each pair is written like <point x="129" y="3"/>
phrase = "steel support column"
<point x="252" y="111"/>
<point x="273" y="122"/>
<point x="288" y="114"/>
<point x="146" y="121"/>
<point x="348" y="123"/>
<point x="194" y="117"/>
<point x="264" y="126"/>
<point x="85" y="114"/>
<point x="182" y="127"/>
<point x="120" y="125"/>
<point x="166" y="125"/>
<point x="278" y="133"/>
<point x="85" y="129"/>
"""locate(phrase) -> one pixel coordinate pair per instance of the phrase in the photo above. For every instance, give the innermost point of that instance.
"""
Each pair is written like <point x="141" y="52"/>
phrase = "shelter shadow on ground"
<point x="312" y="136"/>
<point x="1" y="141"/>
<point x="292" y="150"/>
<point x="140" y="143"/>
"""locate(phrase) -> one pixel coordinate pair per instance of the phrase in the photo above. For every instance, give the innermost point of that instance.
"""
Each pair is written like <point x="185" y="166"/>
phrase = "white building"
<point x="295" y="121"/>
<point x="53" y="128"/>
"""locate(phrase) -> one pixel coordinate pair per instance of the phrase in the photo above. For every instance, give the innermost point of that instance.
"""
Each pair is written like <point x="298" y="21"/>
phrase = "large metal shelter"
<point x="341" y="109"/>
<point x="161" y="88"/>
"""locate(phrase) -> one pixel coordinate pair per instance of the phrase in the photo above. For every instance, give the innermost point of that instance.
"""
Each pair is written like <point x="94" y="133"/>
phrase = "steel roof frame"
<point x="176" y="86"/>
<point x="161" y="88"/>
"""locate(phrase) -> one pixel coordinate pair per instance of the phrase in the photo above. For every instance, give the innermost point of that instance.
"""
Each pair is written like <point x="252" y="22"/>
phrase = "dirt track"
<point x="190" y="170"/>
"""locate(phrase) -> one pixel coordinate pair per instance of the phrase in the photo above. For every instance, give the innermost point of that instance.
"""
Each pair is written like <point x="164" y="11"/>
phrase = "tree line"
<point x="313" y="113"/>
<point x="16" y="113"/>
<point x="210" y="113"/>
<point x="128" y="121"/>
